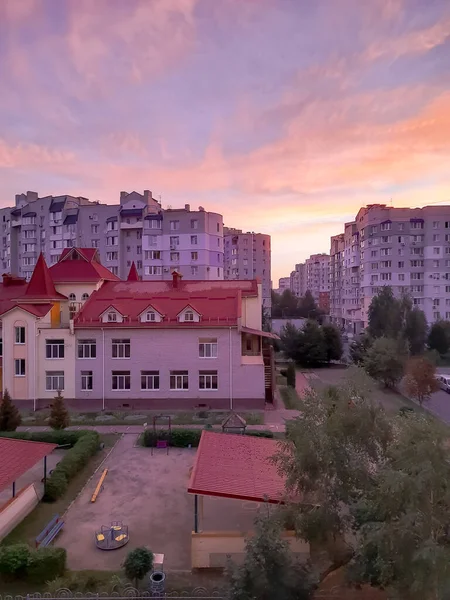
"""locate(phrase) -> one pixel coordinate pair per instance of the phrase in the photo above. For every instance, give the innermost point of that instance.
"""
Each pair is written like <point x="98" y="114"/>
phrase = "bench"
<point x="50" y="532"/>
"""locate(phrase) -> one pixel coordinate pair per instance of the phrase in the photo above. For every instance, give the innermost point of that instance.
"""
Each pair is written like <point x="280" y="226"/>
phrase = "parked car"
<point x="444" y="382"/>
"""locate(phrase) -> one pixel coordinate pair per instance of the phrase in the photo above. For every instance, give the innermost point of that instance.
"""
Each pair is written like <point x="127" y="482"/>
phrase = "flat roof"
<point x="19" y="456"/>
<point x="237" y="466"/>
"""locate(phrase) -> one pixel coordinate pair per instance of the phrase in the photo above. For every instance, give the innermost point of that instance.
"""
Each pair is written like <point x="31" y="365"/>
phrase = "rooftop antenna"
<point x="391" y="201"/>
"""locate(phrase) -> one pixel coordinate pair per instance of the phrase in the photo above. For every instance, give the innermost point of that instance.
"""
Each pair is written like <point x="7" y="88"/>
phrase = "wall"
<point x="66" y="364"/>
<point x="17" y="509"/>
<point x="164" y="350"/>
<point x="210" y="549"/>
<point x="20" y="388"/>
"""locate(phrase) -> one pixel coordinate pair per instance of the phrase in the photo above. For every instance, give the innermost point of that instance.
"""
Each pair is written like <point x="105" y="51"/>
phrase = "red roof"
<point x="133" y="275"/>
<point x="10" y="289"/>
<point x="218" y="302"/>
<point x="18" y="456"/>
<point x="85" y="268"/>
<point x="237" y="466"/>
<point x="41" y="286"/>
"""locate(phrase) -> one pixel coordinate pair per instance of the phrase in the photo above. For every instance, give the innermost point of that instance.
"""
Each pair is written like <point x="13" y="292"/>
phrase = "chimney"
<point x="176" y="278"/>
<point x="147" y="196"/>
<point x="187" y="207"/>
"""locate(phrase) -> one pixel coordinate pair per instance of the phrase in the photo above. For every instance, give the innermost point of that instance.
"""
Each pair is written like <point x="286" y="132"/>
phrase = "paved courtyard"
<point x="148" y="493"/>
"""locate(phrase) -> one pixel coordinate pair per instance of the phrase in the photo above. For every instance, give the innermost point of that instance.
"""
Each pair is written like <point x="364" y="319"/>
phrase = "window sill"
<point x="55" y="391"/>
<point x="124" y="390"/>
<point x="15" y="375"/>
<point x="179" y="390"/>
<point x="151" y="390"/>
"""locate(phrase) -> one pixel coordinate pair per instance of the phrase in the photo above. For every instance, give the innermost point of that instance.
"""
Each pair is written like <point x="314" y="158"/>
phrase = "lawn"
<point x="40" y="418"/>
<point x="35" y="522"/>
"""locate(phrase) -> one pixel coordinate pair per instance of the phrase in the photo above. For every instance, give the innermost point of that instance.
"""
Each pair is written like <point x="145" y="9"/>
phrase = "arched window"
<point x="84" y="297"/>
<point x="189" y="315"/>
<point x="72" y="297"/>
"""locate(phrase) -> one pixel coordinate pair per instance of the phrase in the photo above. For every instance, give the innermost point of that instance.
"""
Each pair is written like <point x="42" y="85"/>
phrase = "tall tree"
<point x="291" y="338"/>
<point x="420" y="379"/>
<point x="415" y="330"/>
<point x="384" y="361"/>
<point x="403" y="520"/>
<point x="59" y="415"/>
<point x="10" y="418"/>
<point x="385" y="315"/>
<point x="308" y="308"/>
<point x="438" y="338"/>
<point x="333" y="342"/>
<point x="359" y="347"/>
<point x="312" y="349"/>
<point x="269" y="571"/>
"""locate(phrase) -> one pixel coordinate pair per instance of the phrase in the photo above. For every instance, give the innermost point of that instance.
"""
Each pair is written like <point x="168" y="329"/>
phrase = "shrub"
<point x="181" y="438"/>
<point x="263" y="434"/>
<point x="14" y="560"/>
<point x="46" y="564"/>
<point x="61" y="438"/>
<point x="290" y="375"/>
<point x="55" y="486"/>
<point x="137" y="564"/>
<point x="59" y="415"/>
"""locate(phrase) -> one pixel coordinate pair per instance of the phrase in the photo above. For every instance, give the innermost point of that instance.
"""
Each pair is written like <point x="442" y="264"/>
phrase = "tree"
<point x="359" y="348"/>
<point x="291" y="375"/>
<point x="420" y="379"/>
<point x="328" y="459"/>
<point x="333" y="342"/>
<point x="269" y="571"/>
<point x="438" y="338"/>
<point x="384" y="362"/>
<point x="385" y="315"/>
<point x="59" y="415"/>
<point x="403" y="521"/>
<point x="415" y="330"/>
<point x="10" y="418"/>
<point x="312" y="349"/>
<point x="308" y="307"/>
<point x="291" y="338"/>
<point x="137" y="564"/>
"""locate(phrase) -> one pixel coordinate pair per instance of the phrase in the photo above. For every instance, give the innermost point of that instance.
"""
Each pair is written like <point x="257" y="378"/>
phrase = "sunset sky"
<point x="283" y="115"/>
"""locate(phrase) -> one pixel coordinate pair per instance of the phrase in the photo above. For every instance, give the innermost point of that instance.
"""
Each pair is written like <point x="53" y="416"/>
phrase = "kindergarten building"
<point x="106" y="343"/>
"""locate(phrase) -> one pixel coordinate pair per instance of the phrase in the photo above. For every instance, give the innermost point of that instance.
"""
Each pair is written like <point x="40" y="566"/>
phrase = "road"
<point x="439" y="403"/>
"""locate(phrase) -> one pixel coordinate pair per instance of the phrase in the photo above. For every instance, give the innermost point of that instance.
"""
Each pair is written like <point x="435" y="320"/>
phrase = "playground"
<point x="147" y="493"/>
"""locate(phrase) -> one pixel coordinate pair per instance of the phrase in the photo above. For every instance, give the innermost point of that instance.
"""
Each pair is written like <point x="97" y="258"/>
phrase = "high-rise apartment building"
<point x="336" y="277"/>
<point x="298" y="280"/>
<point x="405" y="248"/>
<point x="248" y="256"/>
<point x="318" y="274"/>
<point x="284" y="283"/>
<point x="136" y="230"/>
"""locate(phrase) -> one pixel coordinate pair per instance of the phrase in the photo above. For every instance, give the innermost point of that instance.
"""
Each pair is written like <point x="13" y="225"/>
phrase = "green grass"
<point x="178" y="418"/>
<point x="35" y="522"/>
<point x="290" y="397"/>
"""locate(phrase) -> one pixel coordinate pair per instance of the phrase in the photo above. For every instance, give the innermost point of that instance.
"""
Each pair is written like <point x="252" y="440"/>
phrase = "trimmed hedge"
<point x="181" y="438"/>
<point x="83" y="445"/>
<point x="19" y="561"/>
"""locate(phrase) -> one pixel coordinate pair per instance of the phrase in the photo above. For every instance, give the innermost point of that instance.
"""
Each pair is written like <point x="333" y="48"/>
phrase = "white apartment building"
<point x="248" y="256"/>
<point x="298" y="280"/>
<point x="318" y="274"/>
<point x="136" y="230"/>
<point x="405" y="248"/>
<point x="336" y="278"/>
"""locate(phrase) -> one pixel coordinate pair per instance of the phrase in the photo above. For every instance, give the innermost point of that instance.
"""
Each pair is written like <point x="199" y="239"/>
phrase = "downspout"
<point x="231" y="373"/>
<point x="103" y="369"/>
<point x="35" y="366"/>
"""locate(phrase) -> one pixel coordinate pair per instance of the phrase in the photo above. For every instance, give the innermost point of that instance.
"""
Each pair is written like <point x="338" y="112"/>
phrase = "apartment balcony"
<point x="17" y="222"/>
<point x="137" y="225"/>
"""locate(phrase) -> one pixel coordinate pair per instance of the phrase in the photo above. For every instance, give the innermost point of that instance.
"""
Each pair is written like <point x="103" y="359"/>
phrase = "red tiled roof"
<point x="18" y="456"/>
<point x="219" y="302"/>
<point x="85" y="269"/>
<point x="133" y="274"/>
<point x="41" y="286"/>
<point x="236" y="466"/>
<point x="9" y="293"/>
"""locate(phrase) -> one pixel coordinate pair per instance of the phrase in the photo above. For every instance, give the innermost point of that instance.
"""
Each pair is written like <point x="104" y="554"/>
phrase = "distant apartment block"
<point x="298" y="280"/>
<point x="136" y="230"/>
<point x="284" y="283"/>
<point x="405" y="248"/>
<point x="248" y="256"/>
<point x="318" y="274"/>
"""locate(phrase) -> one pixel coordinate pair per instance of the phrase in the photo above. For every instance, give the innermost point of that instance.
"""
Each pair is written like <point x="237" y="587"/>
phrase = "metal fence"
<point x="123" y="594"/>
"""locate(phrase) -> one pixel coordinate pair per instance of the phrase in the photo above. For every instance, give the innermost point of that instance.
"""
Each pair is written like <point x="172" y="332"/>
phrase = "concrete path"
<point x="301" y="383"/>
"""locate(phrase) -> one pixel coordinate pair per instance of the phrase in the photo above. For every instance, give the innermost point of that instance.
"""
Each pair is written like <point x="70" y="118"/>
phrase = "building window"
<point x="149" y="380"/>
<point x="174" y="256"/>
<point x="153" y="270"/>
<point x="152" y="255"/>
<point x="72" y="298"/>
<point x="207" y="348"/>
<point x="112" y="317"/>
<point x="174" y="225"/>
<point x="435" y="224"/>
<point x="436" y="237"/>
<point x="84" y="297"/>
<point x="95" y="243"/>
<point x="94" y="228"/>
<point x="121" y="348"/>
<point x="150" y="316"/>
<point x="194" y="255"/>
<point x="194" y="270"/>
<point x="112" y="226"/>
<point x="385" y="277"/>
<point x="208" y="380"/>
<point x="87" y="349"/>
<point x="54" y="381"/>
<point x="112" y="256"/>
<point x="436" y="251"/>
<point x="194" y="223"/>
<point x="401" y="264"/>
<point x="87" y="381"/>
<point x="121" y="380"/>
<point x="19" y="367"/>
<point x="19" y="335"/>
<point x="179" y="380"/>
<point x="436" y="315"/>
<point x="385" y="226"/>
<point x="401" y="277"/>
<point x="54" y="348"/>
<point x="189" y="315"/>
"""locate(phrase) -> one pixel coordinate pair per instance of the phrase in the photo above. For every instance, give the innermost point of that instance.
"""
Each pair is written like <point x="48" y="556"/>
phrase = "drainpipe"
<point x="231" y="374"/>
<point x="35" y="366"/>
<point x="103" y="369"/>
